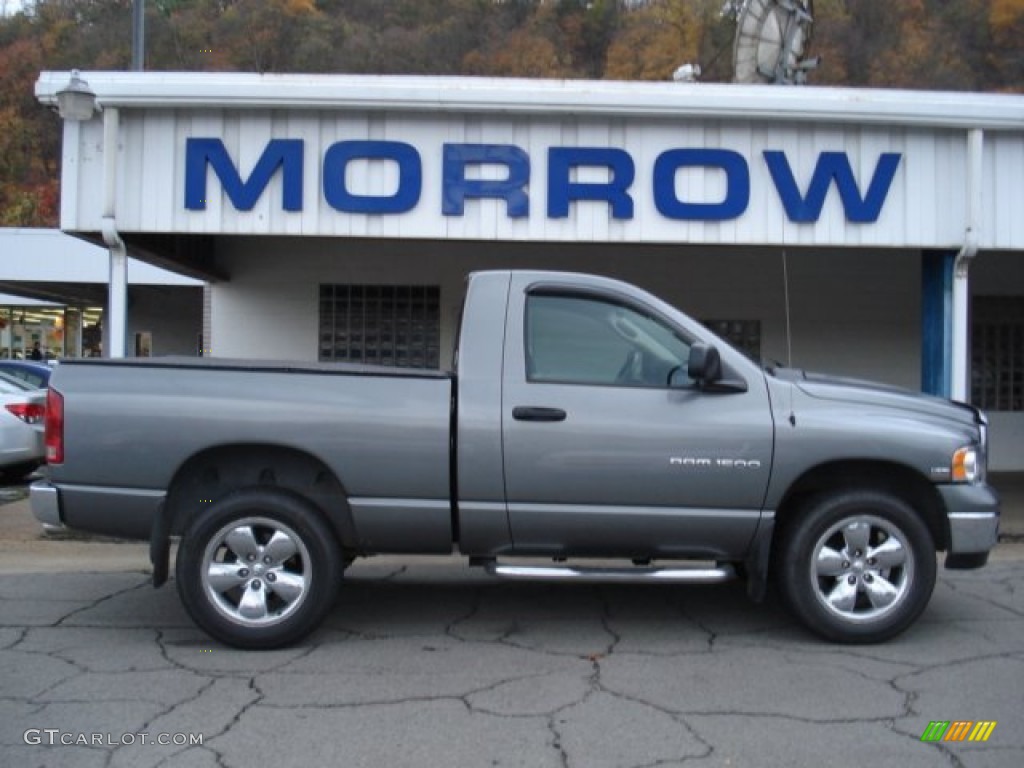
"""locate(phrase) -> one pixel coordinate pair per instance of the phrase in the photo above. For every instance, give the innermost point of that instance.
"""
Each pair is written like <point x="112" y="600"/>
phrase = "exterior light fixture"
<point x="76" y="101"/>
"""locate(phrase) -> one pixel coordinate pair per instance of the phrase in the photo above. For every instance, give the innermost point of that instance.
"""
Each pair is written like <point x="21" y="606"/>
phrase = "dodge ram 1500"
<point x="584" y="421"/>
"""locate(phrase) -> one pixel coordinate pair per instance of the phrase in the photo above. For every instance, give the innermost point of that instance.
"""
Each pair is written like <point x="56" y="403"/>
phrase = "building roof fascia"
<point x="512" y="96"/>
<point x="49" y="255"/>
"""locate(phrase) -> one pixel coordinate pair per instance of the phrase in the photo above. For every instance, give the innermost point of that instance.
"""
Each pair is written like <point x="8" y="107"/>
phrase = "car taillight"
<point x="54" y="439"/>
<point x="30" y="413"/>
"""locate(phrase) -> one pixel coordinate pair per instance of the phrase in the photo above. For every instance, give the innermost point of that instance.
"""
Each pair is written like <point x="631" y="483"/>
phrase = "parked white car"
<point x="22" y="417"/>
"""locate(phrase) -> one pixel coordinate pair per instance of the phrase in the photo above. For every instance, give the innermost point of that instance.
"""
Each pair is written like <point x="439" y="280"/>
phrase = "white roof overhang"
<point x="184" y="90"/>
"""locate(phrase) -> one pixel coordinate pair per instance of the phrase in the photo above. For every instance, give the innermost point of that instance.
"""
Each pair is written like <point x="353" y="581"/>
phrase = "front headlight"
<point x="968" y="465"/>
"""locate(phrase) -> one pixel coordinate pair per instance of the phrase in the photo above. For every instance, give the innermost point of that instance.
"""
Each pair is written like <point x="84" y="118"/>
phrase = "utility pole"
<point x="138" y="35"/>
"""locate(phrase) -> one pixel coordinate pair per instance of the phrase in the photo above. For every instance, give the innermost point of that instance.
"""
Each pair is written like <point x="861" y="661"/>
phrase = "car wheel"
<point x="259" y="569"/>
<point x="857" y="566"/>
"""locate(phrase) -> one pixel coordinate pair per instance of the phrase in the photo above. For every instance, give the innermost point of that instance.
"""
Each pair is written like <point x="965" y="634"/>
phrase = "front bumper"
<point x="973" y="513"/>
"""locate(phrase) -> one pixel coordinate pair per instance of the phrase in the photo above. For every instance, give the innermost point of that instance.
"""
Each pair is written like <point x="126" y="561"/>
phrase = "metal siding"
<point x="132" y="166"/>
<point x="176" y="219"/>
<point x="919" y="165"/>
<point x="949" y="205"/>
<point x="71" y="175"/>
<point x="1002" y="223"/>
<point x="85" y="177"/>
<point x="925" y="207"/>
<point x="155" y="198"/>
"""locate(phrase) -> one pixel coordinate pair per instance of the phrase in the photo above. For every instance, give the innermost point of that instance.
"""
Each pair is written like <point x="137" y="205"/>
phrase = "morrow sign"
<point x="460" y="181"/>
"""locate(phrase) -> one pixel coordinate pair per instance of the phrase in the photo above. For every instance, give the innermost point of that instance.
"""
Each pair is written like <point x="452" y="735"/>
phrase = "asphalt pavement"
<point x="425" y="662"/>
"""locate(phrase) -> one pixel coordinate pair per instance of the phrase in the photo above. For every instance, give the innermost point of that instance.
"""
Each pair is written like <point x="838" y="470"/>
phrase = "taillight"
<point x="30" y="413"/>
<point x="54" y="439"/>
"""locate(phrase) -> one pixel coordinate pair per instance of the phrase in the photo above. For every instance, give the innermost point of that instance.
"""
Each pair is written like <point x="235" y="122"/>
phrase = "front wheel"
<point x="856" y="566"/>
<point x="259" y="569"/>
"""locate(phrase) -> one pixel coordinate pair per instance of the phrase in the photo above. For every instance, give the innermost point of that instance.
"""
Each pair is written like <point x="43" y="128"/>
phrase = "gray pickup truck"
<point x="588" y="431"/>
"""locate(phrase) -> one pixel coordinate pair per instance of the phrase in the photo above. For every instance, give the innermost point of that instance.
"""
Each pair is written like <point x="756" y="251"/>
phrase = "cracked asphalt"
<point x="429" y="663"/>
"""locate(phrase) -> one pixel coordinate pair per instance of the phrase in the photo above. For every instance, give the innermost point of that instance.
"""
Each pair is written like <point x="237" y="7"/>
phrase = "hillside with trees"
<point x="970" y="45"/>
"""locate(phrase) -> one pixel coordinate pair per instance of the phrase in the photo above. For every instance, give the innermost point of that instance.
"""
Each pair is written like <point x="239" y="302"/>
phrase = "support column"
<point x="115" y="324"/>
<point x="937" y="322"/>
<point x="959" y="388"/>
<point x="960" y="385"/>
<point x="117" y="297"/>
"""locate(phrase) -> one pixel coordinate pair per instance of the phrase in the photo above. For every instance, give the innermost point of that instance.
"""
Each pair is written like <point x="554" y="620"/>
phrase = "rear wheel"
<point x="856" y="566"/>
<point x="259" y="569"/>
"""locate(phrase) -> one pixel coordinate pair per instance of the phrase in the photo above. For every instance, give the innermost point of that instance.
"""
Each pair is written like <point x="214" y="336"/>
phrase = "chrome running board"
<point x="635" y="575"/>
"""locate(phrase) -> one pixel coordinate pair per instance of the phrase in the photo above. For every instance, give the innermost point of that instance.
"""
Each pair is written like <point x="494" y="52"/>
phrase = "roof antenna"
<point x="789" y="328"/>
<point x="789" y="333"/>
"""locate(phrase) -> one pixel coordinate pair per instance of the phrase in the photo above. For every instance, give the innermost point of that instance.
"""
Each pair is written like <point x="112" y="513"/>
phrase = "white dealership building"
<point x="877" y="234"/>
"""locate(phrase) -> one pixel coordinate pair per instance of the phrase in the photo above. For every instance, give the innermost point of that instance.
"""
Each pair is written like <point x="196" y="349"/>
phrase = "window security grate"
<point x="997" y="353"/>
<point x="392" y="325"/>
<point x="745" y="335"/>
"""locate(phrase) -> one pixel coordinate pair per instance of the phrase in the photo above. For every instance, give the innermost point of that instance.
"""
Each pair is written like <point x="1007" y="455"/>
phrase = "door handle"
<point x="536" y="413"/>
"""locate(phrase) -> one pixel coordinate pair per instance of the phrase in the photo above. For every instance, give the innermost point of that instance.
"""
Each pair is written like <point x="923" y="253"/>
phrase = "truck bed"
<point x="132" y="424"/>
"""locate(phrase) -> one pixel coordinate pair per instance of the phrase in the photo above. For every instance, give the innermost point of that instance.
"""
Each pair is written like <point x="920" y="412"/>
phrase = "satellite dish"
<point x="771" y="39"/>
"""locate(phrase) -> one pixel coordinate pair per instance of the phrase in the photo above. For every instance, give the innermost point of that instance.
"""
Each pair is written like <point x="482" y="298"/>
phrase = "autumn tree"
<point x="587" y="29"/>
<point x="29" y="137"/>
<point x="657" y="37"/>
<point x="918" y="49"/>
<point x="532" y="48"/>
<point x="1005" y="56"/>
<point x="406" y="36"/>
<point x="950" y="44"/>
<point x="925" y="44"/>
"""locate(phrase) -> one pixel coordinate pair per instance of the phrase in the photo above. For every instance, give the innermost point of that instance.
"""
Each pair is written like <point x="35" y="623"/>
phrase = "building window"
<point x="745" y="335"/>
<point x="394" y="325"/>
<point x="997" y="353"/>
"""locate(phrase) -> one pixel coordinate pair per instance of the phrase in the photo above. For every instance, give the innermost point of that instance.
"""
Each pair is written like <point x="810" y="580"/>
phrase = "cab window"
<point x="587" y="340"/>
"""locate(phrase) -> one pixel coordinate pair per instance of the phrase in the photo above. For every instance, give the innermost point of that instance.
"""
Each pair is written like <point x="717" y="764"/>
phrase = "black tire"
<point x="259" y="569"/>
<point x="856" y="566"/>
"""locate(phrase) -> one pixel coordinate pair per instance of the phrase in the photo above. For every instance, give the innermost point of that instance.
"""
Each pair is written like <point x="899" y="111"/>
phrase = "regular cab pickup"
<point x="587" y="431"/>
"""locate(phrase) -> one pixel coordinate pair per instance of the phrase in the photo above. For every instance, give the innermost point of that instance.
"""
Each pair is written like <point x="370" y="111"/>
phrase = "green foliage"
<point x="948" y="44"/>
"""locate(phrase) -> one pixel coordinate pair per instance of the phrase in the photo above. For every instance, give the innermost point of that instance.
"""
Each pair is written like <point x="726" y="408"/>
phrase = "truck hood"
<point x="850" y="390"/>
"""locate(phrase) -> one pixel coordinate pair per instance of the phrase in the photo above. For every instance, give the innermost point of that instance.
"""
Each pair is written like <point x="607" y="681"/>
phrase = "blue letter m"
<point x="832" y="166"/>
<point x="283" y="153"/>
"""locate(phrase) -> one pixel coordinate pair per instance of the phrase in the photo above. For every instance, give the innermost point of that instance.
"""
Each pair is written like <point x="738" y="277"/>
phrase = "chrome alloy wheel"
<point x="256" y="571"/>
<point x="862" y="568"/>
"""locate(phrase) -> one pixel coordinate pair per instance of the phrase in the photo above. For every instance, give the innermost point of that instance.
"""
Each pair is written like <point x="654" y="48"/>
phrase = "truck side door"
<point x="602" y="457"/>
